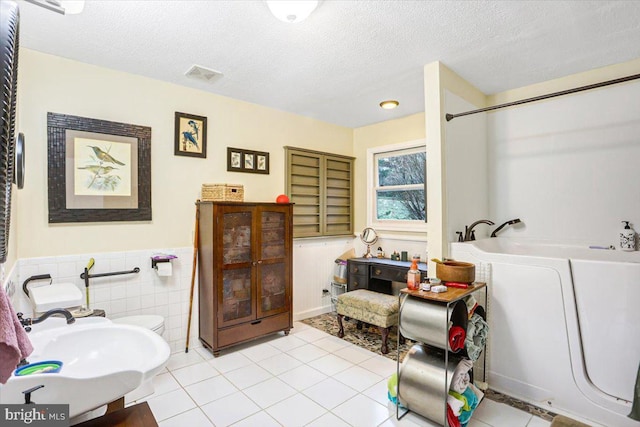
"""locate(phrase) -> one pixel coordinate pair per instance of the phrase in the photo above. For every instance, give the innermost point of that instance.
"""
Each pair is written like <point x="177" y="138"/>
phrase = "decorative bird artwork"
<point x="101" y="177"/>
<point x="103" y="156"/>
<point x="191" y="137"/>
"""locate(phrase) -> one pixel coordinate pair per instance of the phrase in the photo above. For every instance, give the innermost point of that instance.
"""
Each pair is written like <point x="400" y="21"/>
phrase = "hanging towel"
<point x="453" y="420"/>
<point x="14" y="342"/>
<point x="479" y="394"/>
<point x="471" y="303"/>
<point x="454" y="403"/>
<point x="477" y="331"/>
<point x="461" y="398"/>
<point x="456" y="338"/>
<point x="460" y="378"/>
<point x="635" y="408"/>
<point x="472" y="402"/>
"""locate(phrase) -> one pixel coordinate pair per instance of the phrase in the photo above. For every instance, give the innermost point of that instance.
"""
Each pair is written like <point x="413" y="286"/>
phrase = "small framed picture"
<point x="240" y="160"/>
<point x="262" y="164"/>
<point x="248" y="160"/>
<point x="190" y="135"/>
<point x="235" y="160"/>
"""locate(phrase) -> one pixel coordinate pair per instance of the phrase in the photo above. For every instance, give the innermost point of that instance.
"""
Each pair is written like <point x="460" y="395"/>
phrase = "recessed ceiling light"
<point x="390" y="104"/>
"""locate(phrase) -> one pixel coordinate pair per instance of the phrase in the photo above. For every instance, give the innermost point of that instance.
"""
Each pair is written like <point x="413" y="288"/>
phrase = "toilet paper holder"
<point x="161" y="258"/>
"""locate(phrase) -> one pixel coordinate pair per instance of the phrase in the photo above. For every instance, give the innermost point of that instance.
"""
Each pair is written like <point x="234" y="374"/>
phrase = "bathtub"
<point x="565" y="325"/>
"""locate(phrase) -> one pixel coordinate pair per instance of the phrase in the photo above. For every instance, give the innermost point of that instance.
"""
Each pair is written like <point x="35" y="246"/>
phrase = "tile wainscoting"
<point x="148" y="293"/>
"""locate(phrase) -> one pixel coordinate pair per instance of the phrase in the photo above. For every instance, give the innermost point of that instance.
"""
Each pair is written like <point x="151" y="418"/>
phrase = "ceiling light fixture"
<point x="390" y="104"/>
<point x="292" y="11"/>
<point x="64" y="7"/>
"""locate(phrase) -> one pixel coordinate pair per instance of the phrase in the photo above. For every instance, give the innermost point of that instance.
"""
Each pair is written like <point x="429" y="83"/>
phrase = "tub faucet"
<point x="468" y="231"/>
<point x="29" y="321"/>
<point x="510" y="222"/>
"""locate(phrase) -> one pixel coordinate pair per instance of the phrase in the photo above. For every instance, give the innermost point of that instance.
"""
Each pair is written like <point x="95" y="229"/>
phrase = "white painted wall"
<point x="569" y="167"/>
<point x="467" y="185"/>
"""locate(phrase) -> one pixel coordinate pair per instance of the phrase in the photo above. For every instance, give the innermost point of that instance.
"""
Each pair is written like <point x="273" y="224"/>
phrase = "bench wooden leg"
<point x="385" y="337"/>
<point x="341" y="330"/>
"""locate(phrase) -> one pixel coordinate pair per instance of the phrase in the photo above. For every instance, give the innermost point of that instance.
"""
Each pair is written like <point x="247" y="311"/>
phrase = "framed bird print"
<point x="98" y="170"/>
<point x="191" y="135"/>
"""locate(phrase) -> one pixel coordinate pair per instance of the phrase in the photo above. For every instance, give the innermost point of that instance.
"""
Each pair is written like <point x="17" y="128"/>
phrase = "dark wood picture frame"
<point x="240" y="160"/>
<point x="132" y="203"/>
<point x="190" y="135"/>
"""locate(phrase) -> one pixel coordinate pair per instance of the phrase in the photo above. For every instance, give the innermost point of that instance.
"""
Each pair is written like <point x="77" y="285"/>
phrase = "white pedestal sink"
<point x="102" y="362"/>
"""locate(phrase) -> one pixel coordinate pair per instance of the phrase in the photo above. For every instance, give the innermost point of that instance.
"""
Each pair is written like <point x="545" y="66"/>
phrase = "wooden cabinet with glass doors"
<point x="245" y="272"/>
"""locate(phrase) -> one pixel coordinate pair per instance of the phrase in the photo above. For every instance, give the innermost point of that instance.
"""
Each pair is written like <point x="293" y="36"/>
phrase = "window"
<point x="321" y="186"/>
<point x="397" y="187"/>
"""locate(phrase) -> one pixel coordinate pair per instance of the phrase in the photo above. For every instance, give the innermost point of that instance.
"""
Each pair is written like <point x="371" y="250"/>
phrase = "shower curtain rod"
<point x="450" y="117"/>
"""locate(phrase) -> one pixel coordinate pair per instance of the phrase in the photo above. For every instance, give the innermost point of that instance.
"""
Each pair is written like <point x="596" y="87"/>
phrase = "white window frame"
<point x="372" y="186"/>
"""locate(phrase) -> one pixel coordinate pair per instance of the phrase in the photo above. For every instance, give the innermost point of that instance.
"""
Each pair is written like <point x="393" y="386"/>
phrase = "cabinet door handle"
<point x="355" y="270"/>
<point x="260" y="262"/>
<point x="255" y="322"/>
<point x="377" y="272"/>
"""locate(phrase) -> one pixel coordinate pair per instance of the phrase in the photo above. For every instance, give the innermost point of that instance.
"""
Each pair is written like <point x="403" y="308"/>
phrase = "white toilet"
<point x="152" y="322"/>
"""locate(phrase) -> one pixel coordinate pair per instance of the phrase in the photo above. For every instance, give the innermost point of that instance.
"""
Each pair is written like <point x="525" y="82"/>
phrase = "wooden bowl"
<point x="456" y="271"/>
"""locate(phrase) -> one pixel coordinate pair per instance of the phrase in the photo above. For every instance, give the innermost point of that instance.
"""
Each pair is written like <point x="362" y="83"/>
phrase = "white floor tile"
<point x="378" y="392"/>
<point x="182" y="359"/>
<point x="328" y="420"/>
<point x="209" y="390"/>
<point x="228" y="410"/>
<point x="538" y="422"/>
<point x="164" y="383"/>
<point x="280" y="363"/>
<point x="261" y="351"/>
<point x="380" y="365"/>
<point x="354" y="354"/>
<point x="247" y="376"/>
<point x="500" y="415"/>
<point x="192" y="418"/>
<point x="307" y="353"/>
<point x="287" y="342"/>
<point x="230" y="361"/>
<point x="410" y="420"/>
<point x="311" y="334"/>
<point x="302" y="377"/>
<point x="331" y="343"/>
<point x="358" y="378"/>
<point x="205" y="353"/>
<point x="475" y="423"/>
<point x="297" y="410"/>
<point x="330" y="364"/>
<point x="269" y="392"/>
<point x="360" y="411"/>
<point x="330" y="393"/>
<point x="260" y="419"/>
<point x="194" y="373"/>
<point x="299" y="326"/>
<point x="170" y="404"/>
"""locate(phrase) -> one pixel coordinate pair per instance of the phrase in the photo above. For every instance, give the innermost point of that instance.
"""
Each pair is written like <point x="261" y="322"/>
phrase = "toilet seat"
<point x="152" y="322"/>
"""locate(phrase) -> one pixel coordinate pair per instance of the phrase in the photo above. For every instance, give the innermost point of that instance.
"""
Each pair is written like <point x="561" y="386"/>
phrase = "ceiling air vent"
<point x="202" y="73"/>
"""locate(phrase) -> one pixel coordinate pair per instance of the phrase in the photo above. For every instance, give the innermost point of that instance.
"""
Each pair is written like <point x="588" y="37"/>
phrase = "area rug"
<point x="370" y="339"/>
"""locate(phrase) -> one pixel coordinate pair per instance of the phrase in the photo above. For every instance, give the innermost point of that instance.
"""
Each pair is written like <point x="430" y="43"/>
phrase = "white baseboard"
<point x="311" y="313"/>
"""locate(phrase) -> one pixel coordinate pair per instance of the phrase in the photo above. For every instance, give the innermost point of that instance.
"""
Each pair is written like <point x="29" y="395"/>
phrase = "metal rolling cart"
<point x="425" y="375"/>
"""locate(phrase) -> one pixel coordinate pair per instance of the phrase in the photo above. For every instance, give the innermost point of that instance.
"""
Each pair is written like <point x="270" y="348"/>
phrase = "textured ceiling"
<point x="348" y="55"/>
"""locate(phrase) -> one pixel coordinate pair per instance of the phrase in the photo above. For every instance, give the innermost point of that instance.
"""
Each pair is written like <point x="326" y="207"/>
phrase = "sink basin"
<point x="102" y="361"/>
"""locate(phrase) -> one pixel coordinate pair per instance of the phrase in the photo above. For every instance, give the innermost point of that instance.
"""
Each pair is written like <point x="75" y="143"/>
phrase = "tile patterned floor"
<point x="308" y="378"/>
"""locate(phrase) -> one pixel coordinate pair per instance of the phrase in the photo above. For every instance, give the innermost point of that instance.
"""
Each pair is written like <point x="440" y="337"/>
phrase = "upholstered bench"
<point x="369" y="307"/>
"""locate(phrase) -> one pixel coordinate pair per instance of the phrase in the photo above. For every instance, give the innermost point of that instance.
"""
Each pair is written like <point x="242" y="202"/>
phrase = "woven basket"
<point x="222" y="193"/>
